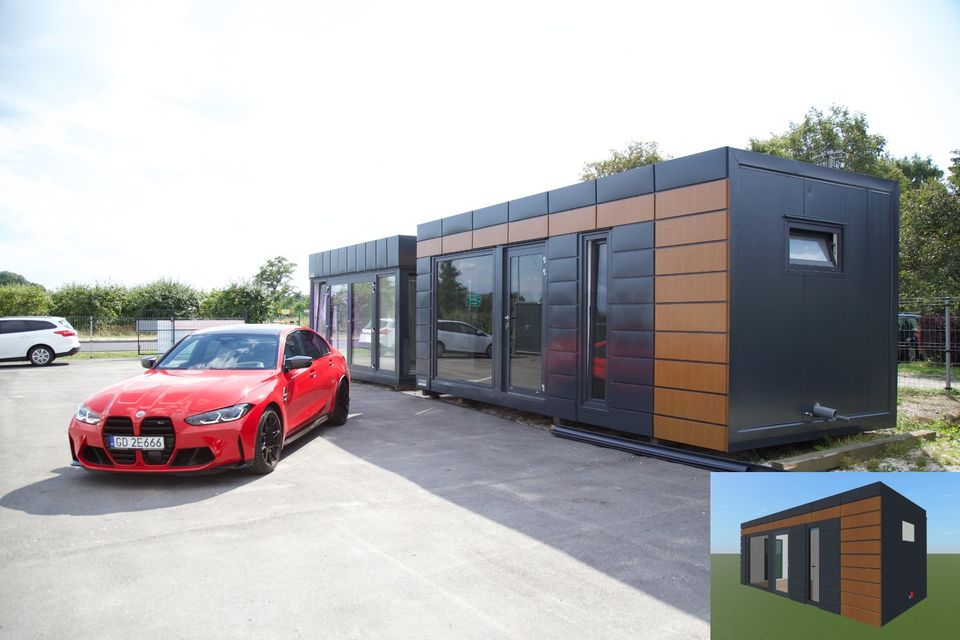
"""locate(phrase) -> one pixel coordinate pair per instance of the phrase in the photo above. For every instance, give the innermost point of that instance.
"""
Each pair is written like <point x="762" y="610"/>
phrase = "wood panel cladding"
<point x="869" y="561"/>
<point x="708" y="436"/>
<point x="529" y="229"/>
<point x="860" y="533"/>
<point x="490" y="236"/>
<point x="573" y="221"/>
<point x="872" y="618"/>
<point x="868" y="533"/>
<point x="704" y="227"/>
<point x="691" y="259"/>
<point x="427" y="248"/>
<point x="860" y="561"/>
<point x="860" y="546"/>
<point x="861" y="588"/>
<point x="702" y="407"/>
<point x="691" y="317"/>
<point x="709" y="196"/>
<point x="695" y="376"/>
<point x="458" y="242"/>
<point x="691" y="290"/>
<point x="860" y="520"/>
<point x="860" y="506"/>
<point x="704" y="347"/>
<point x="626" y="211"/>
<point x="697" y="287"/>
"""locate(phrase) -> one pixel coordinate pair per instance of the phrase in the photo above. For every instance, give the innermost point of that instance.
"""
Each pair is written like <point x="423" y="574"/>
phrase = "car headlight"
<point x="84" y="414"/>
<point x="227" y="414"/>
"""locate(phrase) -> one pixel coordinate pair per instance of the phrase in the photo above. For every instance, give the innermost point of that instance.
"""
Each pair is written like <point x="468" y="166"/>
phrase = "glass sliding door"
<point x="339" y="320"/>
<point x="525" y="273"/>
<point x="781" y="562"/>
<point x="411" y="346"/>
<point x="758" y="562"/>
<point x="815" y="564"/>
<point x="361" y="327"/>
<point x="387" y="333"/>
<point x="464" y="333"/>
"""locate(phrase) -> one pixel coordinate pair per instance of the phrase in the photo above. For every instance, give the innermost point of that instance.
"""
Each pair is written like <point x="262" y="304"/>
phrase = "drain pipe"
<point x="829" y="414"/>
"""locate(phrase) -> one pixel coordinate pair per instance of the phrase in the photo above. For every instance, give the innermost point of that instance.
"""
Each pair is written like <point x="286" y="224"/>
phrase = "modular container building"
<point x="860" y="553"/>
<point x="720" y="300"/>
<point x="363" y="299"/>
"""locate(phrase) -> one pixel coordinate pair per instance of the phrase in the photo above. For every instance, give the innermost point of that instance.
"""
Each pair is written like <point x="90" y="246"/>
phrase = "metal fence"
<point x="928" y="342"/>
<point x="130" y="337"/>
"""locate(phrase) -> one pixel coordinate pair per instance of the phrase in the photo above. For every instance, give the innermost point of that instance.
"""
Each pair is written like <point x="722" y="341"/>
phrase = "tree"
<point x="275" y="277"/>
<point x="104" y="302"/>
<point x="930" y="240"/>
<point x="238" y="300"/>
<point x="163" y="298"/>
<point x="954" y="170"/>
<point x="917" y="170"/>
<point x="637" y="154"/>
<point x="9" y="277"/>
<point x="838" y="139"/>
<point x="24" y="300"/>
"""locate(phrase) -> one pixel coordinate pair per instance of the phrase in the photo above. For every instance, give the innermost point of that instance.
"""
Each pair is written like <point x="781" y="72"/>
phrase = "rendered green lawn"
<point x="739" y="612"/>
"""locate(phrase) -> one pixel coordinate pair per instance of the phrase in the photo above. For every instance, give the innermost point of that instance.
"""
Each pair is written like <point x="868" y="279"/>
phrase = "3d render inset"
<point x="861" y="553"/>
<point x="727" y="300"/>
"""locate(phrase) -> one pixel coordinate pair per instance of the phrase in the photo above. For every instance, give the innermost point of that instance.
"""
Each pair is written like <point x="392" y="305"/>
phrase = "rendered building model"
<point x="860" y="553"/>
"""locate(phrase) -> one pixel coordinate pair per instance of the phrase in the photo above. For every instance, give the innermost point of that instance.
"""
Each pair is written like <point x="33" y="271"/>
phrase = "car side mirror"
<point x="148" y="362"/>
<point x="480" y="333"/>
<point x="297" y="362"/>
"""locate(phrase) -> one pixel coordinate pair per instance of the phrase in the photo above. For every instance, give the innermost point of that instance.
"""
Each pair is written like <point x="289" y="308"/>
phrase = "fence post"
<point x="946" y="339"/>
<point x="90" y="321"/>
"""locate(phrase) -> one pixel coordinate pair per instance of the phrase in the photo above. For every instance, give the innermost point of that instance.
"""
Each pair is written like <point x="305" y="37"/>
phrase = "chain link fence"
<point x="131" y="337"/>
<point x="928" y="343"/>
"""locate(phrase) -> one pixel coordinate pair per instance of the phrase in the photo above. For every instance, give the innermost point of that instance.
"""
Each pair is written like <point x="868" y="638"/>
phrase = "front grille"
<point x="192" y="457"/>
<point x="95" y="455"/>
<point x="158" y="427"/>
<point x="119" y="426"/>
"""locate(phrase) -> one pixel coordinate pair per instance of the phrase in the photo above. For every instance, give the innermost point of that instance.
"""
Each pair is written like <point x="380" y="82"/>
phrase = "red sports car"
<point x="226" y="397"/>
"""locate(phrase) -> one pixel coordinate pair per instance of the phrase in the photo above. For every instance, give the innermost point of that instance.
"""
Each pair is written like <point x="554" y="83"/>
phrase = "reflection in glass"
<point x="598" y="319"/>
<point x="758" y="561"/>
<point x="387" y="336"/>
<point x="464" y="342"/>
<point x="362" y="316"/>
<point x="813" y="248"/>
<point x="339" y="320"/>
<point x="526" y="302"/>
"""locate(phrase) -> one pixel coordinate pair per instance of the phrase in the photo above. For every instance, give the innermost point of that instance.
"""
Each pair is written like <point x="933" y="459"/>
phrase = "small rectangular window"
<point x="907" y="531"/>
<point x="813" y="247"/>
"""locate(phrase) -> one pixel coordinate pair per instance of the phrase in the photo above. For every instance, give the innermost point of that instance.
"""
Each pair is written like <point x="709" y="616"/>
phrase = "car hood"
<point x="169" y="393"/>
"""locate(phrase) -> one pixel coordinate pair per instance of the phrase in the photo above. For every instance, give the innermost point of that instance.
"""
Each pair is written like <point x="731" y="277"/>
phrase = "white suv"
<point x="36" y="339"/>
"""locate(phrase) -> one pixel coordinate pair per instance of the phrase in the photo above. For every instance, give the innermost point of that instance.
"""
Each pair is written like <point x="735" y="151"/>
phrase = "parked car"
<point x="37" y="339"/>
<point x="462" y="337"/>
<point x="387" y="334"/>
<point x="223" y="397"/>
<point x="908" y="337"/>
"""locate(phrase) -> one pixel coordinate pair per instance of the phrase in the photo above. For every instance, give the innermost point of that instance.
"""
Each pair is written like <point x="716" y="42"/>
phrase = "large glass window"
<point x="782" y="562"/>
<point x="526" y="302"/>
<point x="758" y="561"/>
<point x="361" y="323"/>
<point x="387" y="336"/>
<point x="464" y="340"/>
<point x="597" y="319"/>
<point x="339" y="320"/>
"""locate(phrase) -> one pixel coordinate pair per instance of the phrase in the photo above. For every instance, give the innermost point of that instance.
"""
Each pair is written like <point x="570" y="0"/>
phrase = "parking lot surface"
<point x="417" y="519"/>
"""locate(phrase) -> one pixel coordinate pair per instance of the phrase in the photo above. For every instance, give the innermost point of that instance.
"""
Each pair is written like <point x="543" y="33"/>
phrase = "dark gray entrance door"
<point x="523" y="320"/>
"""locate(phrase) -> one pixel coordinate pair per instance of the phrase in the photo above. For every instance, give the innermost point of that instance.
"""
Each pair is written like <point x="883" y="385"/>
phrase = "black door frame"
<point x="503" y="344"/>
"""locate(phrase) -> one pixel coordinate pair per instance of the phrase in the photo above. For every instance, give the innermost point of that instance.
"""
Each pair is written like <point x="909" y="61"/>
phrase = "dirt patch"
<point x="930" y="407"/>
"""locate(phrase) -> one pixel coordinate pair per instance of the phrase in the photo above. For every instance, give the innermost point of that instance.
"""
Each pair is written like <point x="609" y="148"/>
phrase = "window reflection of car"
<point x="461" y="337"/>
<point x="387" y="334"/>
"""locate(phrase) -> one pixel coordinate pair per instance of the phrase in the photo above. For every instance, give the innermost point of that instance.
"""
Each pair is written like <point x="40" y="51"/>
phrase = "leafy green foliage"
<point x="929" y="240"/>
<point x="275" y="277"/>
<point x="837" y="139"/>
<point x="238" y="300"/>
<point x="24" y="300"/>
<point x="163" y="298"/>
<point x="637" y="154"/>
<point x="101" y="301"/>
<point x="9" y="277"/>
<point x="916" y="170"/>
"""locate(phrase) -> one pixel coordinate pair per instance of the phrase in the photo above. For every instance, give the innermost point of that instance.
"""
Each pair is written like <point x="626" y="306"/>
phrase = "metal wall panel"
<point x="528" y="207"/>
<point x="562" y="313"/>
<point x="457" y="224"/>
<point x="634" y="182"/>
<point x="578" y="195"/>
<point x="490" y="216"/>
<point x="428" y="230"/>
<point x="904" y="566"/>
<point x="699" y="167"/>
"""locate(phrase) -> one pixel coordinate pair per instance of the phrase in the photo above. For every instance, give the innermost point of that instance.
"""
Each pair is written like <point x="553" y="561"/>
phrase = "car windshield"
<point x="223" y="351"/>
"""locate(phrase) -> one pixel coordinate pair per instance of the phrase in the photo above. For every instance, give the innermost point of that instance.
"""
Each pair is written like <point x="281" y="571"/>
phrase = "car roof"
<point x="258" y="329"/>
<point x="32" y="318"/>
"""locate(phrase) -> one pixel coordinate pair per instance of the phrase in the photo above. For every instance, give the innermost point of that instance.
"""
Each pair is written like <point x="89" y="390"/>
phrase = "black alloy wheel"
<point x="341" y="409"/>
<point x="269" y="443"/>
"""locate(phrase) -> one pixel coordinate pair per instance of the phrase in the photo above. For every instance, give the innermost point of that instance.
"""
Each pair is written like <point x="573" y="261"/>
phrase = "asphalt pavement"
<point x="417" y="519"/>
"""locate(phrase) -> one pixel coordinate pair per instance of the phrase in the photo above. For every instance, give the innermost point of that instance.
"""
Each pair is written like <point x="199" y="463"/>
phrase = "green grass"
<point x="100" y="355"/>
<point x="922" y="368"/>
<point x="740" y="612"/>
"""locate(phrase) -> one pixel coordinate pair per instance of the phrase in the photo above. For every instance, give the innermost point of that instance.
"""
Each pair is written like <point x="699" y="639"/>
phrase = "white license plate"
<point x="148" y="443"/>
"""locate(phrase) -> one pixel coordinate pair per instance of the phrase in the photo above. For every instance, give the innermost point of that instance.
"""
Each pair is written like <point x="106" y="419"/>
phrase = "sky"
<point x="195" y="140"/>
<point x="738" y="497"/>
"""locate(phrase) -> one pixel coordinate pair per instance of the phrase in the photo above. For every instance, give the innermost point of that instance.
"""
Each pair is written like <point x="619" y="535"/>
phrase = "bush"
<point x="24" y="300"/>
